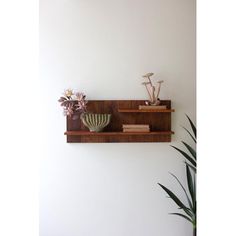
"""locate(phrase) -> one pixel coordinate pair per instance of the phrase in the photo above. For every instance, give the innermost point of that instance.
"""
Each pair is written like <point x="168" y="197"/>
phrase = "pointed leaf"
<point x="177" y="201"/>
<point x="186" y="156"/>
<point x="190" y="166"/>
<point x="194" y="189"/>
<point x="192" y="126"/>
<point x="184" y="216"/>
<point x="190" y="183"/>
<point x="189" y="201"/>
<point x="190" y="134"/>
<point x="191" y="150"/>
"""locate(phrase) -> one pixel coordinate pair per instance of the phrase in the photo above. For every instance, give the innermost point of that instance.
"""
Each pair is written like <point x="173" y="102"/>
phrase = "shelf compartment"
<point x="143" y="111"/>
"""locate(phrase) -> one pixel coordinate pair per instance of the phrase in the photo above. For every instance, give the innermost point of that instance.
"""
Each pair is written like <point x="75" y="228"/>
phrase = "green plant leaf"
<point x="190" y="183"/>
<point x="190" y="166"/>
<point x="191" y="150"/>
<point x="182" y="215"/>
<point x="186" y="156"/>
<point x="190" y="134"/>
<point x="189" y="201"/>
<point x="177" y="201"/>
<point x="192" y="126"/>
<point x="195" y="197"/>
<point x="195" y="209"/>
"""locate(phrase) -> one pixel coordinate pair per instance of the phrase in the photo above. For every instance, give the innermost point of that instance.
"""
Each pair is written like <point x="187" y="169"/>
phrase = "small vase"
<point x="155" y="102"/>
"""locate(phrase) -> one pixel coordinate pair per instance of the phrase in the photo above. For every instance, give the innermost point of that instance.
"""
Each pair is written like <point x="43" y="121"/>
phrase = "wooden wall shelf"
<point x="123" y="112"/>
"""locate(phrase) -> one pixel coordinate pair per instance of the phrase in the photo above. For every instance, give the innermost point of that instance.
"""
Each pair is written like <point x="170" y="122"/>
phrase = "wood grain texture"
<point x="160" y="123"/>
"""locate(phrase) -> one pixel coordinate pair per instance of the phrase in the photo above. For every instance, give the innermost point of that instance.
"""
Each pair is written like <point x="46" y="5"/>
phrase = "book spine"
<point x="143" y="107"/>
<point x="136" y="126"/>
<point x="136" y="130"/>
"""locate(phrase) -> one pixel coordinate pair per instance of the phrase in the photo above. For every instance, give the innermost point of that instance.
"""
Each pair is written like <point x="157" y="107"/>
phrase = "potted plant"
<point x="189" y="211"/>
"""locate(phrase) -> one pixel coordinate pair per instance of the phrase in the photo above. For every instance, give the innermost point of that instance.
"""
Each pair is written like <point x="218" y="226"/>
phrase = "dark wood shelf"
<point x="142" y="111"/>
<point x="123" y="112"/>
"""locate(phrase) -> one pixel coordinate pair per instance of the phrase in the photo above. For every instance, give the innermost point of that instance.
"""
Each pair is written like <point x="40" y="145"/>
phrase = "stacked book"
<point x="135" y="128"/>
<point x="147" y="107"/>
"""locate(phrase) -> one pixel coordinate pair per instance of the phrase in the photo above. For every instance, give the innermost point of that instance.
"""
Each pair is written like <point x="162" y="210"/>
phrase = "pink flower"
<point x="73" y="103"/>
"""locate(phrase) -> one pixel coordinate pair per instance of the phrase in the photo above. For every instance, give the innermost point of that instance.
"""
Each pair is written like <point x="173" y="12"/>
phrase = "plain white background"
<point x="216" y="49"/>
<point x="103" y="48"/>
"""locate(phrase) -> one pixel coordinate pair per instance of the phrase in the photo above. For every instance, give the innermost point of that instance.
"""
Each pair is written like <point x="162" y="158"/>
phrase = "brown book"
<point x="136" y="130"/>
<point x="135" y="126"/>
<point x="144" y="107"/>
<point x="139" y="129"/>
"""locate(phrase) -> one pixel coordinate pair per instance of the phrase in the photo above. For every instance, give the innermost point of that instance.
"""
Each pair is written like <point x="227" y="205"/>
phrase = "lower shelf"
<point x="117" y="137"/>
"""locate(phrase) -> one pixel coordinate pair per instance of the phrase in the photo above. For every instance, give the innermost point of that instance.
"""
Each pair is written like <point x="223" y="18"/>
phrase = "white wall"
<point x="102" y="48"/>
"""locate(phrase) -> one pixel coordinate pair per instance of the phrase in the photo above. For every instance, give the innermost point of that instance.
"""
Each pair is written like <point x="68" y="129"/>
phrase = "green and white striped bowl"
<point x="96" y="122"/>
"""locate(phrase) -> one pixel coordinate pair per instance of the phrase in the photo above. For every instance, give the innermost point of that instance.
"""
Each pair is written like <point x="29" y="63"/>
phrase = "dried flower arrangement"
<point x="73" y="103"/>
<point x="153" y="91"/>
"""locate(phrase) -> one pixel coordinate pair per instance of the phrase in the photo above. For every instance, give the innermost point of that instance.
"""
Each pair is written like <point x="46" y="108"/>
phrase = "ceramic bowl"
<point x="96" y="122"/>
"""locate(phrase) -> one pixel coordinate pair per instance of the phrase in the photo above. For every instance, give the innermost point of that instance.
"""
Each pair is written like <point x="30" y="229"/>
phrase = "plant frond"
<point x="189" y="201"/>
<point x="192" y="126"/>
<point x="190" y="183"/>
<point x="182" y="215"/>
<point x="190" y="166"/>
<point x="190" y="159"/>
<point x="190" y="134"/>
<point x="177" y="201"/>
<point x="191" y="150"/>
